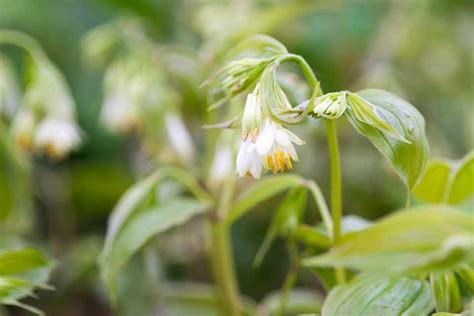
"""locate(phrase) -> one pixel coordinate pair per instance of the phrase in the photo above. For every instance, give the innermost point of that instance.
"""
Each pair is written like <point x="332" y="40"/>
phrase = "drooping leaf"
<point x="260" y="191"/>
<point x="407" y="154"/>
<point x="447" y="181"/>
<point x="376" y="295"/>
<point x="285" y="220"/>
<point x="445" y="291"/>
<point x="141" y="227"/>
<point x="423" y="239"/>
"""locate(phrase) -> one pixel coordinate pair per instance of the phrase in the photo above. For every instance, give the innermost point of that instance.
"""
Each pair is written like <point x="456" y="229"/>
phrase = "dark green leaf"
<point x="19" y="261"/>
<point x="408" y="155"/>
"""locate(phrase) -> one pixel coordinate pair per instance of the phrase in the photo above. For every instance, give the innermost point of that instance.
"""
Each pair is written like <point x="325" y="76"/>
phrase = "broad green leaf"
<point x="377" y="295"/>
<point x="445" y="291"/>
<point x="284" y="222"/>
<point x="432" y="186"/>
<point x="423" y="239"/>
<point x="300" y="301"/>
<point x="462" y="185"/>
<point x="447" y="181"/>
<point x="140" y="228"/>
<point x="407" y="154"/>
<point x="261" y="191"/>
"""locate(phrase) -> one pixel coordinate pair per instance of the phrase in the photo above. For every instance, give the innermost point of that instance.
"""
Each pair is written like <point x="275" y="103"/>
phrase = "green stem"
<point x="24" y="41"/>
<point x="221" y="255"/>
<point x="290" y="278"/>
<point x="336" y="192"/>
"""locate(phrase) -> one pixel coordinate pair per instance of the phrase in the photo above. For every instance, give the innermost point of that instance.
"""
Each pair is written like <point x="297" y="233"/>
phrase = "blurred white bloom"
<point x="179" y="137"/>
<point x="222" y="165"/>
<point x="23" y="128"/>
<point x="118" y="113"/>
<point x="57" y="137"/>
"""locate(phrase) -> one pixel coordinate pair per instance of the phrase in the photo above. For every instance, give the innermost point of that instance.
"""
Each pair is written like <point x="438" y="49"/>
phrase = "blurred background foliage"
<point x="422" y="50"/>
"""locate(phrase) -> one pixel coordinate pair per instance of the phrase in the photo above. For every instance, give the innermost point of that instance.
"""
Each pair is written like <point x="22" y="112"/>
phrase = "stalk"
<point x="336" y="192"/>
<point x="221" y="255"/>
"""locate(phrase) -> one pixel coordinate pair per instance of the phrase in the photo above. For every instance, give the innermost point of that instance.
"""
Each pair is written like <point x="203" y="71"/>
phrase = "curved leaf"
<point x="141" y="227"/>
<point x="423" y="239"/>
<point x="259" y="192"/>
<point x="447" y="181"/>
<point x="446" y="291"/>
<point x="407" y="154"/>
<point x="376" y="295"/>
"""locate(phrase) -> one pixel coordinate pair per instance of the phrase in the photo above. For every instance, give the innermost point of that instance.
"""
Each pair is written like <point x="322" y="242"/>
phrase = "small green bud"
<point x="331" y="106"/>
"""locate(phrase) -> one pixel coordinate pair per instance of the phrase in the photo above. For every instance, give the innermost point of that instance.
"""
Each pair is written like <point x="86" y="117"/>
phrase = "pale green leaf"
<point x="462" y="185"/>
<point x="447" y="181"/>
<point x="423" y="239"/>
<point x="140" y="228"/>
<point x="445" y="291"/>
<point x="377" y="295"/>
<point x="432" y="186"/>
<point x="261" y="191"/>
<point x="407" y="154"/>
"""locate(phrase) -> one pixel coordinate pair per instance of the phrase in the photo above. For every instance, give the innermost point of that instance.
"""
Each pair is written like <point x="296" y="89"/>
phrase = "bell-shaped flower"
<point x="248" y="159"/>
<point x="274" y="144"/>
<point x="23" y="128"/>
<point x="57" y="137"/>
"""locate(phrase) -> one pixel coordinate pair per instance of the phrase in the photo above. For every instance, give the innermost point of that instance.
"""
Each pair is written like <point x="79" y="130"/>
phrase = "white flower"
<point x="222" y="165"/>
<point x="275" y="145"/>
<point x="57" y="137"/>
<point x="118" y="113"/>
<point x="179" y="137"/>
<point x="248" y="160"/>
<point x="23" y="128"/>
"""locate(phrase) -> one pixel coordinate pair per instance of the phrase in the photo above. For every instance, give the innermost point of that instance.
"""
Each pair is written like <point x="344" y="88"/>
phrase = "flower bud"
<point x="331" y="106"/>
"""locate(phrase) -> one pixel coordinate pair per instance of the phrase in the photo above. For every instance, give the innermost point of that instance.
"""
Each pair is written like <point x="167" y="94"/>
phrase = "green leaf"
<point x="140" y="228"/>
<point x="447" y="181"/>
<point x="284" y="222"/>
<point x="462" y="185"/>
<point x="261" y="191"/>
<point x="466" y="275"/>
<point x="376" y="295"/>
<point x="446" y="291"/>
<point x="432" y="186"/>
<point x="423" y="239"/>
<point x="408" y="152"/>
<point x="22" y="271"/>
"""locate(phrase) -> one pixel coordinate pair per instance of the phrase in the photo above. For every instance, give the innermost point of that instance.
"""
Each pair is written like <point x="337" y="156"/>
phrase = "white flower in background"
<point x="118" y="114"/>
<point x="57" y="137"/>
<point x="265" y="144"/>
<point x="179" y="137"/>
<point x="222" y="164"/>
<point x="23" y="128"/>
